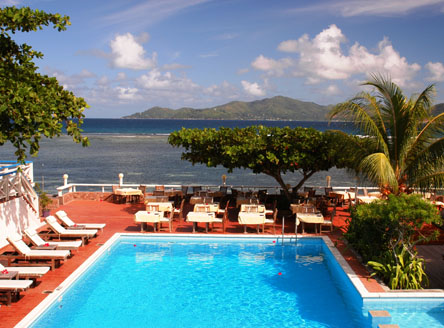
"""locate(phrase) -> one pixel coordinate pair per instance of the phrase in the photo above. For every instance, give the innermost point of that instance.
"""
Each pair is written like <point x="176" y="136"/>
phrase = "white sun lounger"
<point x="27" y="272"/>
<point x="35" y="255"/>
<point x="36" y="240"/>
<point x="8" y="287"/>
<point x="66" y="221"/>
<point x="60" y="231"/>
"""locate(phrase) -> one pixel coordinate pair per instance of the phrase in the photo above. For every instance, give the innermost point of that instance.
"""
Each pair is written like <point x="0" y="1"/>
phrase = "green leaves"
<point x="32" y="105"/>
<point x="386" y="232"/>
<point x="403" y="130"/>
<point x="269" y="150"/>
<point x="401" y="271"/>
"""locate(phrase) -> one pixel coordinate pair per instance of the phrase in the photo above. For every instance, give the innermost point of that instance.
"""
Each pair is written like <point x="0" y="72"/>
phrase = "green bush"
<point x="402" y="271"/>
<point x="385" y="233"/>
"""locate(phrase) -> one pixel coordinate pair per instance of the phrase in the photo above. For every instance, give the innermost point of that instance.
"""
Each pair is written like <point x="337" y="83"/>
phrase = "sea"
<point x="139" y="149"/>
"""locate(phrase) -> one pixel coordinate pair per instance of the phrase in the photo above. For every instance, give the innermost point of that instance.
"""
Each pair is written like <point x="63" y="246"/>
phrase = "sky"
<point x="125" y="56"/>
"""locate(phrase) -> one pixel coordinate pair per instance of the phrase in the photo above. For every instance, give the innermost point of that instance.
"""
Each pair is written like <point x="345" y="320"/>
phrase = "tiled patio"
<point x="120" y="218"/>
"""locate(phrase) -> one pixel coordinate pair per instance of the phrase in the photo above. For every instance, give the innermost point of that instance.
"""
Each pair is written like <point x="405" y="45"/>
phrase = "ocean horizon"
<point x="139" y="149"/>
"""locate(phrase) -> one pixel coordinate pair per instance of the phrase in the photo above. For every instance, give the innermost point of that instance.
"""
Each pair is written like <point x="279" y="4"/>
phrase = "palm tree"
<point x="408" y="140"/>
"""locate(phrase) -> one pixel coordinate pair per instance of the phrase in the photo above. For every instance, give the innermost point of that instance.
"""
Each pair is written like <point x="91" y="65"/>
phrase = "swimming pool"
<point x="216" y="282"/>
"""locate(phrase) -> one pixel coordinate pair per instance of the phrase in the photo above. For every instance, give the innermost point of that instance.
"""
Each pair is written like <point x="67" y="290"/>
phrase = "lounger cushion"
<point x="27" y="271"/>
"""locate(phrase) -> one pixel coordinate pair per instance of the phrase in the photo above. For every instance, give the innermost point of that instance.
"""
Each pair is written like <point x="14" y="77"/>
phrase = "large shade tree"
<point x="32" y="105"/>
<point x="407" y="140"/>
<point x="268" y="150"/>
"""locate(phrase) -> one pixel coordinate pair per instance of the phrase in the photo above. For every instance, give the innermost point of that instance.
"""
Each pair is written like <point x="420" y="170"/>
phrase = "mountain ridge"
<point x="275" y="108"/>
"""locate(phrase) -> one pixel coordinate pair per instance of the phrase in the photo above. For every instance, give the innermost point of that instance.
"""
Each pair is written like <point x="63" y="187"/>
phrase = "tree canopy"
<point x="269" y="150"/>
<point x="32" y="105"/>
<point x="407" y="140"/>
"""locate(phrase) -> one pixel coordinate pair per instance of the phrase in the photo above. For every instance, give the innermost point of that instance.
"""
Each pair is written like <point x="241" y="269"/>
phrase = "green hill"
<point x="276" y="108"/>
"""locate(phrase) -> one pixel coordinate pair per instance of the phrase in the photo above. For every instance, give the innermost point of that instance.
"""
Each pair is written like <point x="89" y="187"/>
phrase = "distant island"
<point x="276" y="108"/>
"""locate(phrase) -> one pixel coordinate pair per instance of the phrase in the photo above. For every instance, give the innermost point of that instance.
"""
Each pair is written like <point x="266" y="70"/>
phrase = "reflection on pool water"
<point x="215" y="282"/>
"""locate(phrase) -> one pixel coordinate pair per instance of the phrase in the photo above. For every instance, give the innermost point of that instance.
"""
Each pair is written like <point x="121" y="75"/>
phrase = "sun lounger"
<point x="35" y="256"/>
<point x="61" y="232"/>
<point x="27" y="272"/>
<point x="66" y="221"/>
<point x="10" y="287"/>
<point x="36" y="240"/>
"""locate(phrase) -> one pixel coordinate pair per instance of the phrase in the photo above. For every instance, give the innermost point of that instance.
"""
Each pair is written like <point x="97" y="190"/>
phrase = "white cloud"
<point x="322" y="58"/>
<point x="371" y="7"/>
<point x="121" y="76"/>
<point x="436" y="72"/>
<point x="127" y="52"/>
<point x="6" y="3"/>
<point x="223" y="91"/>
<point x="70" y="81"/>
<point x="127" y="93"/>
<point x="272" y="66"/>
<point x="331" y="90"/>
<point x="253" y="89"/>
<point x="148" y="12"/>
<point x="154" y="79"/>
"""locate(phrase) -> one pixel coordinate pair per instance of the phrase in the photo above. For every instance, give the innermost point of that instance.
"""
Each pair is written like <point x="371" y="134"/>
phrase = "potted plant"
<point x="44" y="200"/>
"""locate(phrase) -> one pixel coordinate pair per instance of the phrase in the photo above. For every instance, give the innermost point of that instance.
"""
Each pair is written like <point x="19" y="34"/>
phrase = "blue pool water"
<point x="165" y="282"/>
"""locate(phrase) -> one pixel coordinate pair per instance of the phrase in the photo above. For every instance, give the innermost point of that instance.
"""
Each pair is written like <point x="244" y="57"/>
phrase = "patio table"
<point x="204" y="207"/>
<point x="148" y="217"/>
<point x="196" y="217"/>
<point x="163" y="206"/>
<point x="251" y="218"/>
<point x="252" y="208"/>
<point x="316" y="218"/>
<point x="128" y="193"/>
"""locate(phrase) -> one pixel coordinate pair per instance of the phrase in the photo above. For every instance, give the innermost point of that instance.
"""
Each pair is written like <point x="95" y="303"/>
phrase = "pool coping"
<point x="354" y="278"/>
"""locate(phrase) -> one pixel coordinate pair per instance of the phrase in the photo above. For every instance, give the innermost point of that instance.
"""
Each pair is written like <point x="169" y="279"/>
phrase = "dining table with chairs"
<point x="128" y="195"/>
<point x="306" y="213"/>
<point x="144" y="217"/>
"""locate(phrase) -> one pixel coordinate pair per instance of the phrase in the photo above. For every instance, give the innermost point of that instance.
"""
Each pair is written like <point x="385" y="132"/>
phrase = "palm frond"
<point x="378" y="169"/>
<point x="358" y="111"/>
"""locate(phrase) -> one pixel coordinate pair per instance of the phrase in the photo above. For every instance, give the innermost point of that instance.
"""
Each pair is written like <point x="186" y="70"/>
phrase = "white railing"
<point x="107" y="187"/>
<point x="16" y="181"/>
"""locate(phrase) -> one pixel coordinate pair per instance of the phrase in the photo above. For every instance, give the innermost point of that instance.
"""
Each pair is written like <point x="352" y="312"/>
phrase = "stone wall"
<point x="85" y="195"/>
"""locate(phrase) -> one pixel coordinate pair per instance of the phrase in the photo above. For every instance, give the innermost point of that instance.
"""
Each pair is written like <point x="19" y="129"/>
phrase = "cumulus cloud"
<point x="154" y="79"/>
<point x="127" y="52"/>
<point x="70" y="81"/>
<point x="323" y="58"/>
<point x="253" y="89"/>
<point x="272" y="66"/>
<point x="436" y="72"/>
<point x="127" y="93"/>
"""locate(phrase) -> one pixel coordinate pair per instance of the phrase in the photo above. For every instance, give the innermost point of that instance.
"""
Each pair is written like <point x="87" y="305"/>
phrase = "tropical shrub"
<point x="402" y="270"/>
<point x="385" y="233"/>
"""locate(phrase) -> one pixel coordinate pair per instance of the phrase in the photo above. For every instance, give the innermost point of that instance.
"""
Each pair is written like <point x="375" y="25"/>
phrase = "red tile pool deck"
<point x="120" y="218"/>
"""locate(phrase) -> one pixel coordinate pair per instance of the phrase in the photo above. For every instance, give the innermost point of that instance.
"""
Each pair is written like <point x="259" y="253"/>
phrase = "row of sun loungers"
<point x="32" y="263"/>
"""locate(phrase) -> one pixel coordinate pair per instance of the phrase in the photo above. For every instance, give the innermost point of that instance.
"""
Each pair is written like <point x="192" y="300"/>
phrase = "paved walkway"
<point x="120" y="218"/>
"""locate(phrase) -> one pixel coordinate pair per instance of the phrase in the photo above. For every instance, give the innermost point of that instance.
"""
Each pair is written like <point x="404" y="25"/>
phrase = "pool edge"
<point x="354" y="278"/>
